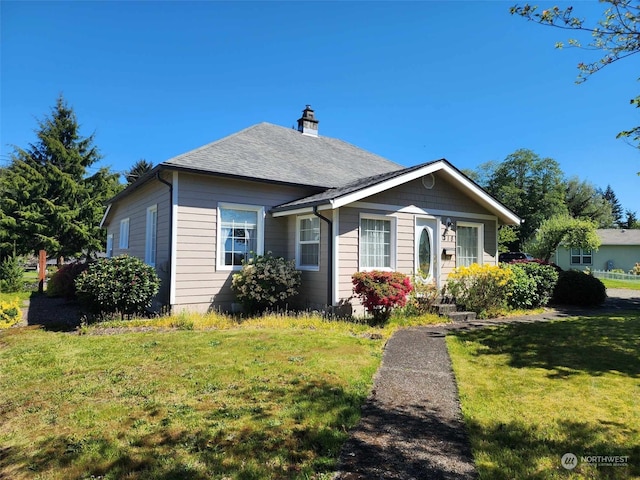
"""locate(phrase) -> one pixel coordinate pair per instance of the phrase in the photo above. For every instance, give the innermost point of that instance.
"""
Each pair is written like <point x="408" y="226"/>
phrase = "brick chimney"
<point x="307" y="124"/>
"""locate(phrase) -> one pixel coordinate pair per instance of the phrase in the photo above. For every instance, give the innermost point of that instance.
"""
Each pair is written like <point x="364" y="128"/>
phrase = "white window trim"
<point x="313" y="268"/>
<point x="260" y="227"/>
<point x="581" y="255"/>
<point x="480" y="227"/>
<point x="123" y="241"/>
<point x="109" y="249"/>
<point x="150" y="257"/>
<point x="392" y="246"/>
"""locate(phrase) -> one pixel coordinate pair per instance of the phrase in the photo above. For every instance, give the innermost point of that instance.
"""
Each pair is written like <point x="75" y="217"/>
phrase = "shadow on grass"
<point x="53" y="314"/>
<point x="163" y="449"/>
<point x="593" y="345"/>
<point x="519" y="450"/>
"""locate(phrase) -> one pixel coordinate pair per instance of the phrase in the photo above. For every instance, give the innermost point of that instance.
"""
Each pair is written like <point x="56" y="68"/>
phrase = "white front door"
<point x="426" y="245"/>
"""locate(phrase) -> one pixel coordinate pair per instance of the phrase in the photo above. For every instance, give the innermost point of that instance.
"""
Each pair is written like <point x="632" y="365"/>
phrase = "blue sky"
<point x="411" y="81"/>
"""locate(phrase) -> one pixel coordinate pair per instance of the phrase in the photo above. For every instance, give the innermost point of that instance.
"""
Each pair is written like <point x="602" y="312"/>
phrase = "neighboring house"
<point x="333" y="208"/>
<point x="619" y="249"/>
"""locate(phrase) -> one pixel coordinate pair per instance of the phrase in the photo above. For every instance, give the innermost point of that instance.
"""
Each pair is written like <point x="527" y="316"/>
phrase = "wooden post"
<point x="42" y="270"/>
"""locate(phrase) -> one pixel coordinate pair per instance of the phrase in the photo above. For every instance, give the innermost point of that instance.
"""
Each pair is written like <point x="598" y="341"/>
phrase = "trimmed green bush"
<point x="578" y="288"/>
<point x="124" y="285"/>
<point x="266" y="283"/>
<point x="380" y="292"/>
<point x="63" y="282"/>
<point x="538" y="291"/>
<point x="11" y="273"/>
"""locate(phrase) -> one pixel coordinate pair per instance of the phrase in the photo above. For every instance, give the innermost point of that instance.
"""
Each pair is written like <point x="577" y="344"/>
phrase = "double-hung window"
<point x="377" y="242"/>
<point x="469" y="243"/>
<point x="240" y="233"/>
<point x="151" y="239"/>
<point x="308" y="243"/>
<point x="124" y="233"/>
<point x="581" y="256"/>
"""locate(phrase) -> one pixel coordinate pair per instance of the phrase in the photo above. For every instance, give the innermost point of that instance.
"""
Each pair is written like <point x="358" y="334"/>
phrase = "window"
<point x="377" y="243"/>
<point x="124" y="233"/>
<point x="110" y="245"/>
<point x="308" y="245"/>
<point x="150" y="246"/>
<point x="580" y="256"/>
<point x="469" y="245"/>
<point x="241" y="232"/>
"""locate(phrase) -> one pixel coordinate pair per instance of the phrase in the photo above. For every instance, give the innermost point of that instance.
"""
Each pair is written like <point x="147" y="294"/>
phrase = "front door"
<point x="426" y="265"/>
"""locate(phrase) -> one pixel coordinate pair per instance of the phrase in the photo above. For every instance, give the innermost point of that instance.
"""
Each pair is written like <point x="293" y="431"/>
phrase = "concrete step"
<point x="444" y="309"/>
<point x="462" y="316"/>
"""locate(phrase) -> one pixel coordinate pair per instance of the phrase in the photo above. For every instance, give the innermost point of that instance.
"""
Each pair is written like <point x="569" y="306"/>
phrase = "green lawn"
<point x="631" y="284"/>
<point x="532" y="392"/>
<point x="242" y="403"/>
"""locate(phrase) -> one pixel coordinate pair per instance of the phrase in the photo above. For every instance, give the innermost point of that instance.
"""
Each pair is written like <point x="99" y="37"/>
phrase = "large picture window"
<point x="151" y="239"/>
<point x="308" y="245"/>
<point x="240" y="233"/>
<point x="469" y="243"/>
<point x="377" y="243"/>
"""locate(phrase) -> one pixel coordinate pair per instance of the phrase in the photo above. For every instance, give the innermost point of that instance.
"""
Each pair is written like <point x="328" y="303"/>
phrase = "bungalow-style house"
<point x="619" y="249"/>
<point x="332" y="207"/>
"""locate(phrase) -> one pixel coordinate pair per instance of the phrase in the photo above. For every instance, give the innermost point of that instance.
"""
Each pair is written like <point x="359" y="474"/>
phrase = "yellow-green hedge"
<point x="10" y="313"/>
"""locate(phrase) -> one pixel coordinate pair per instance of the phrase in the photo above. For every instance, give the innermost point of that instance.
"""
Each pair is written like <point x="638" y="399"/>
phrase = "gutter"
<point x="330" y="255"/>
<point x="170" y="185"/>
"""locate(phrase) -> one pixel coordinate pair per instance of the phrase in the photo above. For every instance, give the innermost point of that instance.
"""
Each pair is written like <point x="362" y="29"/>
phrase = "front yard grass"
<point x="532" y="392"/>
<point x="243" y="403"/>
<point x="630" y="284"/>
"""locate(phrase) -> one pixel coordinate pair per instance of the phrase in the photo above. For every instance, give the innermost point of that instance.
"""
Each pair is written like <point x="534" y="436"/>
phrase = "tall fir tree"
<point x="49" y="200"/>
<point x="616" y="207"/>
<point x="138" y="170"/>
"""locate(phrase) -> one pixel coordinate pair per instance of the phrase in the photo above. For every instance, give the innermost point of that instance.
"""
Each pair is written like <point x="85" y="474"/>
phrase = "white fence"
<point x="615" y="275"/>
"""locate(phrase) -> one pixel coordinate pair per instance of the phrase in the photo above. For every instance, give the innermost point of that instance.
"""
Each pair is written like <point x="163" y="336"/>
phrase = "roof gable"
<point x="365" y="187"/>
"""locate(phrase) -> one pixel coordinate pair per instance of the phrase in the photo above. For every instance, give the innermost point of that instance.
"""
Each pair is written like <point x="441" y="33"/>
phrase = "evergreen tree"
<point x="48" y="199"/>
<point x="616" y="207"/>
<point x="138" y="170"/>
<point x="587" y="202"/>
<point x="631" y="220"/>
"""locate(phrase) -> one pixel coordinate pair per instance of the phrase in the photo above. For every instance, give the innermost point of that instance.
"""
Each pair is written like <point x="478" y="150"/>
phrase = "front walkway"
<point x="411" y="425"/>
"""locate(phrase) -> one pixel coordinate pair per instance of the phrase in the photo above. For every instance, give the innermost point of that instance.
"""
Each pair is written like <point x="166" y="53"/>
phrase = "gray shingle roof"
<point x="615" y="236"/>
<point x="269" y="152"/>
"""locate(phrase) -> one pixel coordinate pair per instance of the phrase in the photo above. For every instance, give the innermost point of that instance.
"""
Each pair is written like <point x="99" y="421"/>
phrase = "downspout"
<point x="330" y="255"/>
<point x="170" y="185"/>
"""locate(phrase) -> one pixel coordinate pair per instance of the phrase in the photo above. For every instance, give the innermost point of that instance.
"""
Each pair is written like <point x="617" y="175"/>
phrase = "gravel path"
<point x="411" y="425"/>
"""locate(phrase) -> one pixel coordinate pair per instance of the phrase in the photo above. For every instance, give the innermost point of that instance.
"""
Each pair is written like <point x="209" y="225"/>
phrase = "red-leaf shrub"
<point x="381" y="291"/>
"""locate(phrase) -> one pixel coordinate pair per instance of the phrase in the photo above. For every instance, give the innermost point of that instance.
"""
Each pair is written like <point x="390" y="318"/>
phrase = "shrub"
<point x="481" y="289"/>
<point x="544" y="277"/>
<point x="11" y="272"/>
<point x="635" y="270"/>
<point x="123" y="284"/>
<point x="9" y="313"/>
<point x="422" y="298"/>
<point x="578" y="288"/>
<point x="522" y="289"/>
<point x="265" y="283"/>
<point x="62" y="282"/>
<point x="381" y="291"/>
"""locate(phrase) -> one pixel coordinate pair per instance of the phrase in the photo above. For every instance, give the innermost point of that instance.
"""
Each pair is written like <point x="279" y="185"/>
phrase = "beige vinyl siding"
<point x="443" y="196"/>
<point x="313" y="285"/>
<point x="200" y="284"/>
<point x="135" y="207"/>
